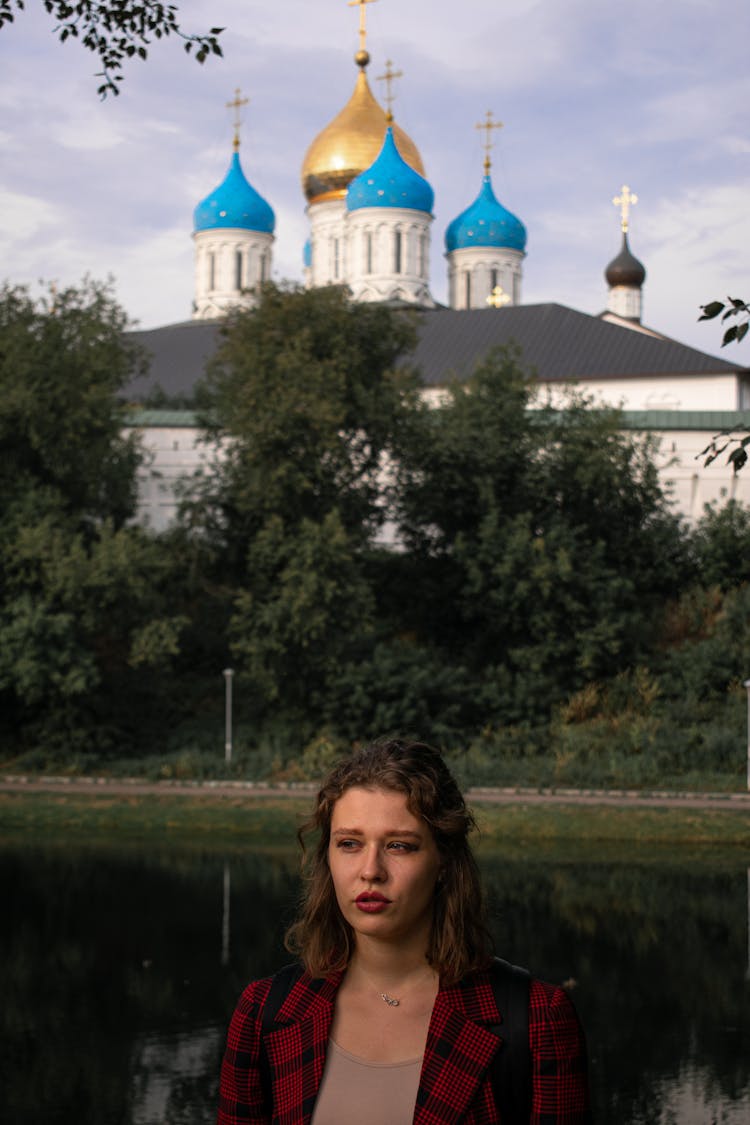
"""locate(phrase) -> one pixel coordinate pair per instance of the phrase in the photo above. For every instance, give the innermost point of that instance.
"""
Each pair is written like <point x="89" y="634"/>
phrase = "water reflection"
<point x="118" y="972"/>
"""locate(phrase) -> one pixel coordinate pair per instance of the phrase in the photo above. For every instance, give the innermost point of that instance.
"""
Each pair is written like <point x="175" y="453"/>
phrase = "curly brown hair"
<point x="459" y="939"/>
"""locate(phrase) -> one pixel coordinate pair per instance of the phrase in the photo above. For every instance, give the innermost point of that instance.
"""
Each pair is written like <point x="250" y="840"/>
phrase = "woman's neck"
<point x="387" y="966"/>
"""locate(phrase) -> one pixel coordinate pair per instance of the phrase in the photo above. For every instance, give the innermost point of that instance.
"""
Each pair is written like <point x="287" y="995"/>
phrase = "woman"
<point x="393" y="1017"/>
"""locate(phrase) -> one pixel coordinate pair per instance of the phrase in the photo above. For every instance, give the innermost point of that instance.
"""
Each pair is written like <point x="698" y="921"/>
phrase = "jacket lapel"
<point x="297" y="1048"/>
<point x="457" y="1054"/>
<point x="459" y="1050"/>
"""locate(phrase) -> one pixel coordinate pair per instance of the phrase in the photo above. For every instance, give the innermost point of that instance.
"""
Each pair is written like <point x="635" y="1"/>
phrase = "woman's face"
<point x="384" y="864"/>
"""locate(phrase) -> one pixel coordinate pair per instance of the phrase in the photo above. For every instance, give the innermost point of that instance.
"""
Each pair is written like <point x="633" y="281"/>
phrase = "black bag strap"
<point x="282" y="984"/>
<point x="511" y="1068"/>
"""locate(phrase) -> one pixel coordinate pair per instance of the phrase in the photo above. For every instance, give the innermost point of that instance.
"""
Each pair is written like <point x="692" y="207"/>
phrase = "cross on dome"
<point x="388" y="78"/>
<point x="362" y="56"/>
<point x="487" y="126"/>
<point x="498" y="297"/>
<point x="236" y="104"/>
<point x="625" y="200"/>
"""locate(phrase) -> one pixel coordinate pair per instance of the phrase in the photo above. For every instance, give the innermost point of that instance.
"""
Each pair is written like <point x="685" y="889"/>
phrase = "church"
<point x="369" y="206"/>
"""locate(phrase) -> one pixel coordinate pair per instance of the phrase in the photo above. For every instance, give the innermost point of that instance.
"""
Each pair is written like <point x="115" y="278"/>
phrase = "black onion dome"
<point x="625" y="269"/>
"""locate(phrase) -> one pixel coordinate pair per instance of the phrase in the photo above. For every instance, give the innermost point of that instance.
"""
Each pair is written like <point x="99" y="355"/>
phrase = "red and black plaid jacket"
<point x="455" y="1083"/>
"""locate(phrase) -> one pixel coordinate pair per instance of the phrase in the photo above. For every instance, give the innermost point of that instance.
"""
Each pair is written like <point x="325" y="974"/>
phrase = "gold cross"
<point x="498" y="297"/>
<point x="362" y="20"/>
<point x="625" y="200"/>
<point x="236" y="105"/>
<point x="488" y="126"/>
<point x="388" y="79"/>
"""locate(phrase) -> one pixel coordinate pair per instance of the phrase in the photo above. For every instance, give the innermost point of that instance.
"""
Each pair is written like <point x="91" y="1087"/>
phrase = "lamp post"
<point x="747" y="689"/>
<point x="228" y="673"/>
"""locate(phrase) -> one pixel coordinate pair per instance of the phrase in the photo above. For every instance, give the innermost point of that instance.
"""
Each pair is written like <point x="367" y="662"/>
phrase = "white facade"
<point x="389" y="255"/>
<point x="625" y="301"/>
<point x="661" y="392"/>
<point x="174" y="452"/>
<point x="690" y="485"/>
<point x="328" y="250"/>
<point x="476" y="273"/>
<point x="381" y="253"/>
<point x="230" y="264"/>
<point x="173" y="442"/>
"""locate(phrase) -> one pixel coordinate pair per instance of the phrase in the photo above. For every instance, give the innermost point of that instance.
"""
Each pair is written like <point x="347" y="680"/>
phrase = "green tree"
<point x="545" y="545"/>
<point x="82" y="591"/>
<point x="302" y="404"/>
<point x="720" y="542"/>
<point x="117" y="30"/>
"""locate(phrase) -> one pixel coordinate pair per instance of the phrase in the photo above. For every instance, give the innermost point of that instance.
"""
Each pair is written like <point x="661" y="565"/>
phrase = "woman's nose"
<point x="373" y="868"/>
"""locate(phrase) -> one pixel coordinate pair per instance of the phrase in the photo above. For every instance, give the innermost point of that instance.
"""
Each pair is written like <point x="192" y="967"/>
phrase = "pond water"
<point x="119" y="970"/>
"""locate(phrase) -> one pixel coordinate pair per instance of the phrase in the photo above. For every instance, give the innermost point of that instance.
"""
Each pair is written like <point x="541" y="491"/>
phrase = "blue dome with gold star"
<point x="486" y="223"/>
<point x="234" y="203"/>
<point x="390" y="182"/>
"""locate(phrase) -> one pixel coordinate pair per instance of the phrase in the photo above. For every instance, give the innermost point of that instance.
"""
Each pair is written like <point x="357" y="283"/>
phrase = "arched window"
<point x="336" y="258"/>
<point x="368" y="252"/>
<point x="238" y="270"/>
<point x="211" y="270"/>
<point x="494" y="282"/>
<point x="467" y="282"/>
<point x="397" y="252"/>
<point x="263" y="268"/>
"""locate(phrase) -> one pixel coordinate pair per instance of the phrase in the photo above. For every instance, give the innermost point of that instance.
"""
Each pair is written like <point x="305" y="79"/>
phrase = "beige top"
<point x="369" y="1093"/>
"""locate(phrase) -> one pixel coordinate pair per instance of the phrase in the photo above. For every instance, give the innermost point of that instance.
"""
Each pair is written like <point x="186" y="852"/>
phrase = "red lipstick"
<point x="372" y="902"/>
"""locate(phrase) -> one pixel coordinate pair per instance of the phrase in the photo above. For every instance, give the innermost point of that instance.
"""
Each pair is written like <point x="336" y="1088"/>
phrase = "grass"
<point x="248" y="821"/>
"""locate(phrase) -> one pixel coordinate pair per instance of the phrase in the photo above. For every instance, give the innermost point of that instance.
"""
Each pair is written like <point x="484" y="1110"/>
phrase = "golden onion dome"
<point x="349" y="144"/>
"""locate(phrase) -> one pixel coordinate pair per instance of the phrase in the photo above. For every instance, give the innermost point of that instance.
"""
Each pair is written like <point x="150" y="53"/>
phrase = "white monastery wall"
<point x="711" y="392"/>
<point x="176" y="452"/>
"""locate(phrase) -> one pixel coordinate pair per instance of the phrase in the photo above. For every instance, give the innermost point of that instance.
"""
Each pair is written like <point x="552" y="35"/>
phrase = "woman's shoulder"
<point x="554" y="1026"/>
<point x="288" y="994"/>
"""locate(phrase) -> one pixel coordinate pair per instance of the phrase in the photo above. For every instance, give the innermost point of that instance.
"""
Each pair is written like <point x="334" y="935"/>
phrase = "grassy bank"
<point x="248" y="821"/>
<point x="510" y="760"/>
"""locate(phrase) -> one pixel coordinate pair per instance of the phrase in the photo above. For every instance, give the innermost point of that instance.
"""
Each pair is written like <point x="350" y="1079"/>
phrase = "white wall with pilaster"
<point x="229" y="266"/>
<point x="328" y="243"/>
<point x="389" y="255"/>
<point x="474" y="271"/>
<point x="625" y="301"/>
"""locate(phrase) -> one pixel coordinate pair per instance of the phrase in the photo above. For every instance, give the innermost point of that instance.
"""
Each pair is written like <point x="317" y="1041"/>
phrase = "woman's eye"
<point x="347" y="845"/>
<point x="398" y="846"/>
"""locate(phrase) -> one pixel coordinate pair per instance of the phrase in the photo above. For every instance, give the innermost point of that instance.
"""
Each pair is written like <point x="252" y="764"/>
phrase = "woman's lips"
<point x="371" y="902"/>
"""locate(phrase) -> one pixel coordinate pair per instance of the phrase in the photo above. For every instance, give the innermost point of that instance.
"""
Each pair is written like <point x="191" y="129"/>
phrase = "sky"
<point x="592" y="95"/>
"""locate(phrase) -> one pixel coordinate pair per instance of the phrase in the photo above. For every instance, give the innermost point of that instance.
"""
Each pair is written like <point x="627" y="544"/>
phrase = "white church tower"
<point x="625" y="275"/>
<point x="233" y="234"/>
<point x="338" y="251"/>
<point x="389" y="210"/>
<point x="485" y="246"/>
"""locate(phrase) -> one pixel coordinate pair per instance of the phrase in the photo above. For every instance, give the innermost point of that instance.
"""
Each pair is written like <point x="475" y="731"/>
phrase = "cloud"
<point x="24" y="218"/>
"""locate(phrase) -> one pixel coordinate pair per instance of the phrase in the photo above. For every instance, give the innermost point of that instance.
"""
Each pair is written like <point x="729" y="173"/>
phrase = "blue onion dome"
<point x="486" y="223"/>
<point x="234" y="203"/>
<point x="390" y="182"/>
<point x="625" y="269"/>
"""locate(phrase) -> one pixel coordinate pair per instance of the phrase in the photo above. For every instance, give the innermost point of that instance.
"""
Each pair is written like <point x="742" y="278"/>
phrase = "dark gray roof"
<point x="558" y="343"/>
<point x="178" y="355"/>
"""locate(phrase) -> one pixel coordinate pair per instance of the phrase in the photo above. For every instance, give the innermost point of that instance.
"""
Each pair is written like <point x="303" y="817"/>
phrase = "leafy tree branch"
<point x="733" y="307"/>
<point x="118" y="30"/>
<point x="736" y="440"/>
